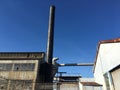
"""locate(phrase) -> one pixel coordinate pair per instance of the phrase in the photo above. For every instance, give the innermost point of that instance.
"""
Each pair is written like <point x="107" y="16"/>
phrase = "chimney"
<point x="50" y="42"/>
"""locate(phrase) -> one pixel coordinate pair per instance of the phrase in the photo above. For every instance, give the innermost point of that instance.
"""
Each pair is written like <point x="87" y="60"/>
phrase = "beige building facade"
<point x="19" y="70"/>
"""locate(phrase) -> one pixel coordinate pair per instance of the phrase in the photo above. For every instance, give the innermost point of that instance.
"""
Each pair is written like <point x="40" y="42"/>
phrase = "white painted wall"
<point x="92" y="87"/>
<point x="87" y="79"/>
<point x="108" y="58"/>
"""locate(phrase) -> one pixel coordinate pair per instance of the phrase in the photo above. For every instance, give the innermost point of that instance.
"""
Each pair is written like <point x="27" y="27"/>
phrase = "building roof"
<point x="110" y="41"/>
<point x="90" y="84"/>
<point x="21" y="55"/>
<point x="67" y="78"/>
<point x="116" y="40"/>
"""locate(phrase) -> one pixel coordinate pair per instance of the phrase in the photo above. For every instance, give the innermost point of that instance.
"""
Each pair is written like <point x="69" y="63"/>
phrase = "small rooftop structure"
<point x="69" y="78"/>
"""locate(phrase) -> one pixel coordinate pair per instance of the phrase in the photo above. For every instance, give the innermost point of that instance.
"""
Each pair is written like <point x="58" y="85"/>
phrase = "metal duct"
<point x="76" y="64"/>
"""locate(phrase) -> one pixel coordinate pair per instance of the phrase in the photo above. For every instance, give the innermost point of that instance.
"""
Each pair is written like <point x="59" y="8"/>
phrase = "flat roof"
<point x="70" y="76"/>
<point x="21" y="55"/>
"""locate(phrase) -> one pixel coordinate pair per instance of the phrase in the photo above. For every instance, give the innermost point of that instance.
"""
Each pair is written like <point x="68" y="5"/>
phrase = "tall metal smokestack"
<point x="49" y="54"/>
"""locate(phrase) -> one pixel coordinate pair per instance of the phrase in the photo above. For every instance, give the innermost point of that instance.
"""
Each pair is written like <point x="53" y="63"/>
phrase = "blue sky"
<point x="79" y="26"/>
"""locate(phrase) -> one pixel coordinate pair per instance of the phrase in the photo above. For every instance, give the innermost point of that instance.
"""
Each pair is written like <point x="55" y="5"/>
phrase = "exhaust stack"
<point x="50" y="43"/>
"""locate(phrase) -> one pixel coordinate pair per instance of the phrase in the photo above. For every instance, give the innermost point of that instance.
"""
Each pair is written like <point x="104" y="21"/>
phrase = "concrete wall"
<point x="90" y="86"/>
<point x="20" y="70"/>
<point x="69" y="86"/>
<point x="18" y="77"/>
<point x="28" y="75"/>
<point x="108" y="58"/>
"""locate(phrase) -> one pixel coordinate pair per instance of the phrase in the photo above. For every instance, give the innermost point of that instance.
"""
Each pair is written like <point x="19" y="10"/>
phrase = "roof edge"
<point x="110" y="41"/>
<point x="116" y="40"/>
<point x="21" y="52"/>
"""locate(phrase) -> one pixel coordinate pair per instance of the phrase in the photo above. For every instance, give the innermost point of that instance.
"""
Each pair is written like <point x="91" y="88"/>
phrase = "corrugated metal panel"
<point x="116" y="78"/>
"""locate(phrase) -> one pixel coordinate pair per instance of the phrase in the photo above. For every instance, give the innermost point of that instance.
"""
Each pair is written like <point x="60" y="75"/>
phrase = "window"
<point x="107" y="81"/>
<point x="24" y="67"/>
<point x="3" y="84"/>
<point x="5" y="67"/>
<point x="17" y="67"/>
<point x="27" y="67"/>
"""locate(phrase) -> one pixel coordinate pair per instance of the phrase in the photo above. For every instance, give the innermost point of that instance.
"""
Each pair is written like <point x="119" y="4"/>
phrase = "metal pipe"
<point x="49" y="54"/>
<point x="76" y="64"/>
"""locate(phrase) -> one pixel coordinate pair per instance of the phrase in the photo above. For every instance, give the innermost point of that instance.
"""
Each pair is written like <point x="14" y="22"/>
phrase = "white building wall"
<point x="88" y="87"/>
<point x="98" y="73"/>
<point x="108" y="58"/>
<point x="80" y="86"/>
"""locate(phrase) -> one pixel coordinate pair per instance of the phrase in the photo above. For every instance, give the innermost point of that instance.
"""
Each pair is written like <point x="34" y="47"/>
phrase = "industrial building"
<point x="107" y="64"/>
<point x="36" y="70"/>
<point x="75" y="82"/>
<point x="19" y="70"/>
<point x="68" y="82"/>
<point x="89" y="84"/>
<point x="29" y="70"/>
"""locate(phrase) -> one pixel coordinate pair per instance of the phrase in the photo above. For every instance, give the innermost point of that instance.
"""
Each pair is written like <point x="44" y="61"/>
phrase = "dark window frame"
<point x="17" y="66"/>
<point x="6" y="66"/>
<point x="24" y="67"/>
